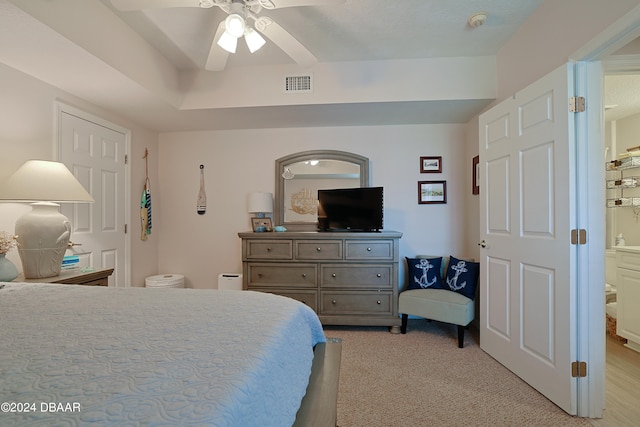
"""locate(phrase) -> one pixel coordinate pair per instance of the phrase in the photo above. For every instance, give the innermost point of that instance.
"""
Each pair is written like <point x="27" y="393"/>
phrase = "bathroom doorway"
<point x="621" y="130"/>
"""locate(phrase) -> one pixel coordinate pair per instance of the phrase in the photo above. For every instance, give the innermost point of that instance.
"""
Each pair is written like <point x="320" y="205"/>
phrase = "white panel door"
<point x="526" y="315"/>
<point x="96" y="156"/>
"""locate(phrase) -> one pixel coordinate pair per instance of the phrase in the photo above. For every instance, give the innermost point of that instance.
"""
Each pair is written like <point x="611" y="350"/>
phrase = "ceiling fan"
<point x="237" y="25"/>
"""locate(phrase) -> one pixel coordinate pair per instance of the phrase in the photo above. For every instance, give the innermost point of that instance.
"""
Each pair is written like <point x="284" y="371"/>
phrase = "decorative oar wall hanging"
<point x="145" y="201"/>
<point x="201" y="206"/>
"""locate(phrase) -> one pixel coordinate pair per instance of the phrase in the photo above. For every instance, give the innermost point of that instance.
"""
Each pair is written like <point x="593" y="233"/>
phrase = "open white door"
<point x="527" y="210"/>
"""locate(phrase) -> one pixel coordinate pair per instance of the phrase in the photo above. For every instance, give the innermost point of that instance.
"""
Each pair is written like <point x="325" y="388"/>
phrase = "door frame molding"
<point x="593" y="59"/>
<point x="59" y="108"/>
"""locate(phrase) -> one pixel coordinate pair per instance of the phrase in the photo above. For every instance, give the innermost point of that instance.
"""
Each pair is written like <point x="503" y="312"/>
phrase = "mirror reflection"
<point x="304" y="179"/>
<point x="299" y="177"/>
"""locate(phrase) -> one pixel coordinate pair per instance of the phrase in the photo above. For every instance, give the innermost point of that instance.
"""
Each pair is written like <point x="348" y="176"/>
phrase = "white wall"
<point x="27" y="130"/>
<point x="238" y="162"/>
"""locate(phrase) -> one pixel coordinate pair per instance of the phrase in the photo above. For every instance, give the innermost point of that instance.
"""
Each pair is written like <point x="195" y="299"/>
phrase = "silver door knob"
<point x="483" y="244"/>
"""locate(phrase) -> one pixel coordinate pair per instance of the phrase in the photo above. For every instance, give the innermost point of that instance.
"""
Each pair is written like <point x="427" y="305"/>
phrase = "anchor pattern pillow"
<point x="462" y="277"/>
<point x="424" y="273"/>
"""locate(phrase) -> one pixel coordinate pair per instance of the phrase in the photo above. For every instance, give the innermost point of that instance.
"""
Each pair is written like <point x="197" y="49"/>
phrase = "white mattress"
<point x="136" y="356"/>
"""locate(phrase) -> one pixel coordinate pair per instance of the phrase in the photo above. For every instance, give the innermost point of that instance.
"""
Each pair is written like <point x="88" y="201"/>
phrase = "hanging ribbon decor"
<point x="145" y="201"/>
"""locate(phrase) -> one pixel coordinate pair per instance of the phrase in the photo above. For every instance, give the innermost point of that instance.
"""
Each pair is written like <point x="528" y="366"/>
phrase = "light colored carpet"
<point x="424" y="379"/>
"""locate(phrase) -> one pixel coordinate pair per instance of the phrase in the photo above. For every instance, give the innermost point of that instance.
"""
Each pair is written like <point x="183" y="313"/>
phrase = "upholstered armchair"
<point x="440" y="291"/>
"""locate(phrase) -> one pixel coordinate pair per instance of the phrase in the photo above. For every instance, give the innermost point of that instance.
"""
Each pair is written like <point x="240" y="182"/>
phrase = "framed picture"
<point x="475" y="172"/>
<point x="261" y="224"/>
<point x="431" y="164"/>
<point x="432" y="192"/>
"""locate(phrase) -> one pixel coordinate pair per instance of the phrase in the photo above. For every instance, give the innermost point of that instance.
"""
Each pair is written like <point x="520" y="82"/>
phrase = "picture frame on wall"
<point x="261" y="224"/>
<point x="475" y="172"/>
<point x="431" y="192"/>
<point x="431" y="164"/>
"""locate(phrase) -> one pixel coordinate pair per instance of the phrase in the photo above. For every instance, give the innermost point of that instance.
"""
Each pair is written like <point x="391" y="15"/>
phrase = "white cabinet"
<point x="628" y="284"/>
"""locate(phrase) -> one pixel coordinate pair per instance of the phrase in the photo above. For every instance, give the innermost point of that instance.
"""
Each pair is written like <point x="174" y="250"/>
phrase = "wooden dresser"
<point x="347" y="278"/>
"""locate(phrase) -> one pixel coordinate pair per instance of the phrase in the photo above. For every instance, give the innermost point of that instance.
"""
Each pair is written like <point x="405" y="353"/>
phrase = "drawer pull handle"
<point x="333" y="275"/>
<point x="379" y="302"/>
<point x="304" y="274"/>
<point x="268" y="249"/>
<point x="333" y="302"/>
<point x="259" y="274"/>
<point x="378" y="275"/>
<point x="368" y="249"/>
<point x="318" y="249"/>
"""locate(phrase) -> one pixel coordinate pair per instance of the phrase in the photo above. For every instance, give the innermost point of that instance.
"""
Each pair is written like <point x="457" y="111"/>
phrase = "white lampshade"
<point x="228" y="42"/>
<point x="254" y="40"/>
<point x="43" y="181"/>
<point x="235" y="25"/>
<point x="260" y="203"/>
<point x="43" y="233"/>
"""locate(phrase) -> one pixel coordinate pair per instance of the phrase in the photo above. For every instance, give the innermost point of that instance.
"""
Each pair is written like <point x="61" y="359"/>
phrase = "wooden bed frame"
<point x="319" y="405"/>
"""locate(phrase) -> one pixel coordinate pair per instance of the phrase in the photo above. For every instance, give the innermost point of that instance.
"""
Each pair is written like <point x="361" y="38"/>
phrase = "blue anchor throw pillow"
<point x="424" y="273"/>
<point x="462" y="277"/>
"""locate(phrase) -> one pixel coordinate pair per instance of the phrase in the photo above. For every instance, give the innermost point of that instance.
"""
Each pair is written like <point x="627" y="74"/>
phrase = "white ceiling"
<point x="356" y="31"/>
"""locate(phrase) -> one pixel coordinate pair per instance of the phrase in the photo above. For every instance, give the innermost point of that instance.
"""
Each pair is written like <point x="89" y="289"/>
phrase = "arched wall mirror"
<point x="299" y="176"/>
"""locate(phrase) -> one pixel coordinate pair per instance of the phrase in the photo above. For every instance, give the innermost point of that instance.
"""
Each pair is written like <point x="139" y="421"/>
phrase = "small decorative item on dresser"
<point x="8" y="270"/>
<point x="261" y="224"/>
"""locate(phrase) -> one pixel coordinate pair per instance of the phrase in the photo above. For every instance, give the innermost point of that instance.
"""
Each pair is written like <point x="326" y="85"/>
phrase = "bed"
<point x="78" y="355"/>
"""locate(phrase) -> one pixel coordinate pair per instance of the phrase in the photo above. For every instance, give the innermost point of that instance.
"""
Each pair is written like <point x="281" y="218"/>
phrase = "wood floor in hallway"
<point x="622" y="407"/>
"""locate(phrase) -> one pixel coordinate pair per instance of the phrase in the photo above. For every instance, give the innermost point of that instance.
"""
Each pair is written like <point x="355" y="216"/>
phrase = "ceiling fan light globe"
<point x="253" y="39"/>
<point x="228" y="42"/>
<point x="235" y="25"/>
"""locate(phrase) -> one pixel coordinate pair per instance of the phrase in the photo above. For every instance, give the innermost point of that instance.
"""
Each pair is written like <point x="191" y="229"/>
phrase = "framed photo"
<point x="431" y="164"/>
<point x="475" y="172"/>
<point x="261" y="224"/>
<point x="432" y="192"/>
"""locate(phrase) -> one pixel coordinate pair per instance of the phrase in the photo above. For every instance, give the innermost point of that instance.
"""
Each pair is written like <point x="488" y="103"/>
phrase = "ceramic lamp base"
<point x="43" y="238"/>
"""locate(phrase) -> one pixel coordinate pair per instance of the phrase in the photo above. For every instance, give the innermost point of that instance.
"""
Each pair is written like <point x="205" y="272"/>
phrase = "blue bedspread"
<point x="137" y="356"/>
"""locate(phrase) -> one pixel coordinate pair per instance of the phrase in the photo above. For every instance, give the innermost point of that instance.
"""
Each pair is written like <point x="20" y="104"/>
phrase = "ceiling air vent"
<point x="298" y="84"/>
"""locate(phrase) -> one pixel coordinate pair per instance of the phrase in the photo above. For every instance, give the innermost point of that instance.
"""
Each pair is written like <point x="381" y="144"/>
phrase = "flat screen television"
<point x="350" y="209"/>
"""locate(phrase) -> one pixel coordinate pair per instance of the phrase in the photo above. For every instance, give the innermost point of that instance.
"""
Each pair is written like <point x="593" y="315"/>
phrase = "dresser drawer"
<point x="336" y="302"/>
<point x="309" y="298"/>
<point x="267" y="275"/>
<point x="370" y="249"/>
<point x="357" y="276"/>
<point x="268" y="249"/>
<point x="318" y="249"/>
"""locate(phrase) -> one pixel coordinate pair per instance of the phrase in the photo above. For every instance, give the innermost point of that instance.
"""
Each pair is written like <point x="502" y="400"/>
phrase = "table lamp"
<point x="260" y="203"/>
<point x="43" y="233"/>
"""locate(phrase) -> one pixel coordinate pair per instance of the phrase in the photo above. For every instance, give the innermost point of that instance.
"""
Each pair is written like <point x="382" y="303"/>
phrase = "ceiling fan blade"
<point x="217" y="59"/>
<point x="277" y="4"/>
<point x="128" y="5"/>
<point x="285" y="41"/>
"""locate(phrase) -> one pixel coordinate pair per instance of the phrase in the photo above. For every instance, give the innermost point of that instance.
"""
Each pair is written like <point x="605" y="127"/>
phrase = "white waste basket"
<point x="230" y="282"/>
<point x="165" y="281"/>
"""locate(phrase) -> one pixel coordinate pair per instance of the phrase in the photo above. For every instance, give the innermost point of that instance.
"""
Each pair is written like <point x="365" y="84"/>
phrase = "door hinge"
<point x="126" y="159"/>
<point x="125" y="229"/>
<point x="579" y="237"/>
<point x="578" y="369"/>
<point x="576" y="104"/>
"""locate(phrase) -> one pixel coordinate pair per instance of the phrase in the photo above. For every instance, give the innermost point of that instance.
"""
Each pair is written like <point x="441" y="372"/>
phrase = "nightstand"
<point x="75" y="277"/>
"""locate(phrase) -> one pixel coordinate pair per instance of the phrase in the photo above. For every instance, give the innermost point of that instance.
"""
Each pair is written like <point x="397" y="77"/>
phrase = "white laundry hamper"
<point x="165" y="281"/>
